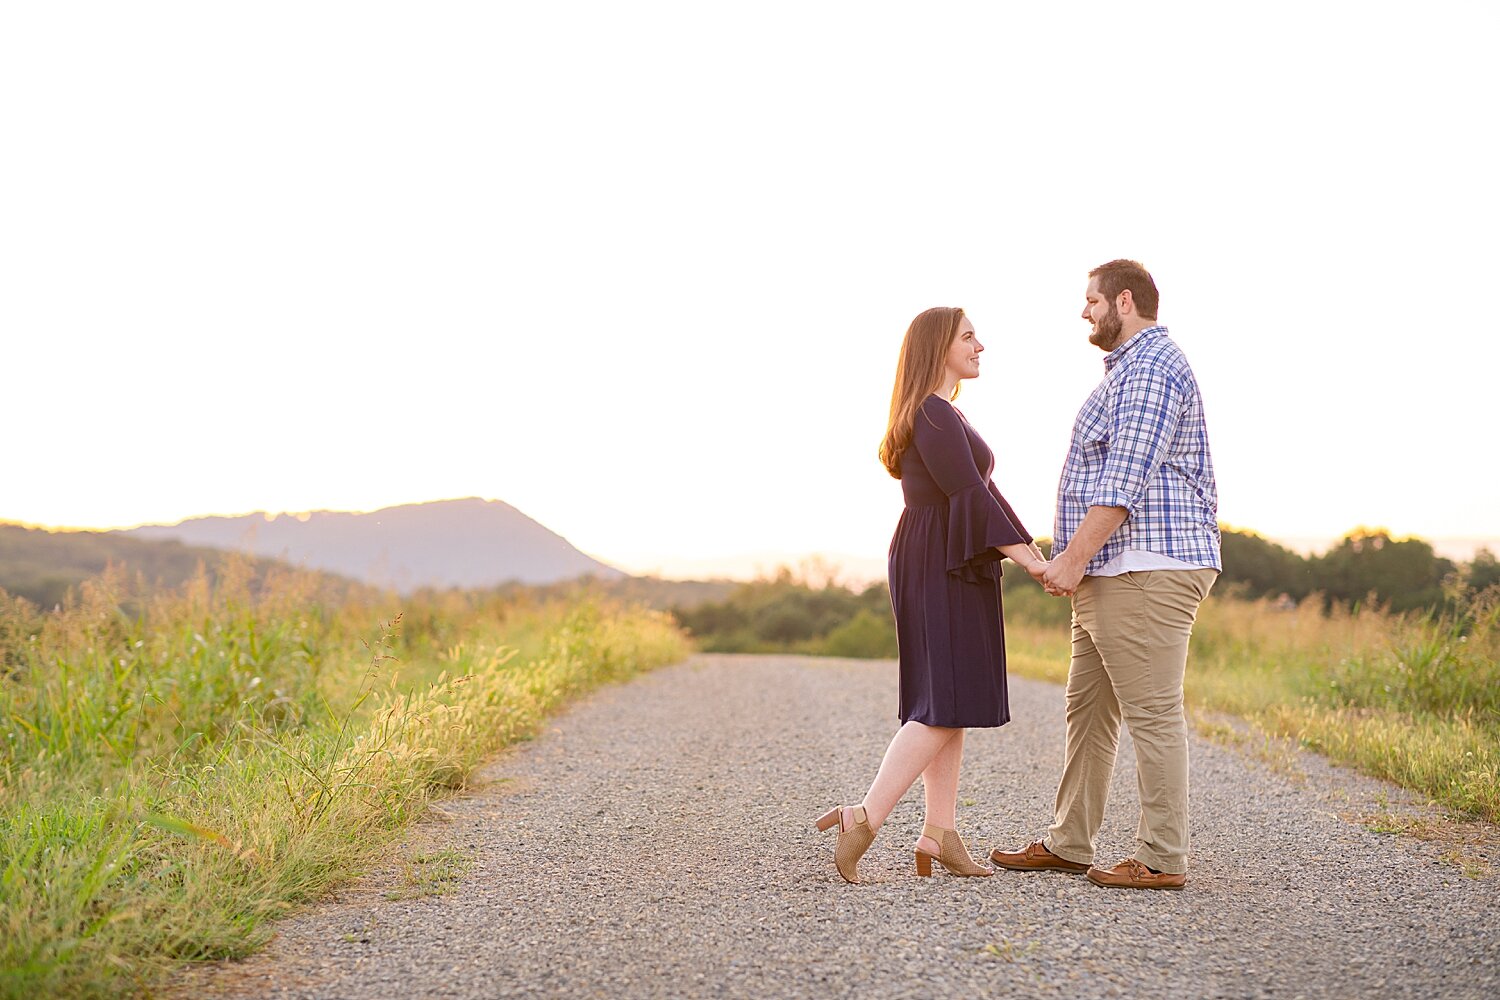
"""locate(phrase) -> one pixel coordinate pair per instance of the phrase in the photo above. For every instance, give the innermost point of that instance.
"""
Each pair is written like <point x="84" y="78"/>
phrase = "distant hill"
<point x="42" y="565"/>
<point x="446" y="543"/>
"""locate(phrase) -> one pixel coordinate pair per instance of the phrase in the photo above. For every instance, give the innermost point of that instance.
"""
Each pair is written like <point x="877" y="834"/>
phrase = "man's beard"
<point x="1106" y="335"/>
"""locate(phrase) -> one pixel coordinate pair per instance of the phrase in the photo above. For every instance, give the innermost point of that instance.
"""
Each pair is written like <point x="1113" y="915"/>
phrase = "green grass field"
<point x="175" y="778"/>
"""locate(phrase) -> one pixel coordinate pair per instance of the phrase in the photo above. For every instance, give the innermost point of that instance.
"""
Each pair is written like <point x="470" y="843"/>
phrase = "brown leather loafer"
<point x="1035" y="858"/>
<point x="1131" y="874"/>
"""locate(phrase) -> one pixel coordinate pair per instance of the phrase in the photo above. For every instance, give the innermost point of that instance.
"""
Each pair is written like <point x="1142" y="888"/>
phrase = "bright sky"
<point x="642" y="270"/>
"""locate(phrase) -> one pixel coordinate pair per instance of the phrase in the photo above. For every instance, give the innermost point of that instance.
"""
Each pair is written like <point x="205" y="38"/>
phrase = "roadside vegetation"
<point x="1413" y="698"/>
<point x="789" y="614"/>
<point x="182" y="765"/>
<point x="1402" y="682"/>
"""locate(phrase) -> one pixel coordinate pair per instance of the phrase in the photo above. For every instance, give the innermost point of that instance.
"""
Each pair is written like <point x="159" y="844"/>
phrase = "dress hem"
<point x="957" y="725"/>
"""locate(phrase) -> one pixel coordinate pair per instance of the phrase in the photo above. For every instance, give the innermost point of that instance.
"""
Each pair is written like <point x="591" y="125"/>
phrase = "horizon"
<point x="817" y="564"/>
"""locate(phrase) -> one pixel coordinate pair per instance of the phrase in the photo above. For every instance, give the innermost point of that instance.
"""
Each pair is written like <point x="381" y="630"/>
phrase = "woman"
<point x="945" y="590"/>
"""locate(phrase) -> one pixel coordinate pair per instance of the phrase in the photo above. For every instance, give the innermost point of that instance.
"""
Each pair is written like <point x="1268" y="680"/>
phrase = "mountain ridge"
<point x="461" y="542"/>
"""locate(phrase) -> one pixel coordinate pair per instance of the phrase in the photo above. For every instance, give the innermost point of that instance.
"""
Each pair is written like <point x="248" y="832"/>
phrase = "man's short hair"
<point x="1118" y="275"/>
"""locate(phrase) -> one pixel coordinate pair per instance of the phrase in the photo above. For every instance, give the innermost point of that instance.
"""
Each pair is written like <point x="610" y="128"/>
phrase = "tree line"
<point x="788" y="613"/>
<point x="1365" y="567"/>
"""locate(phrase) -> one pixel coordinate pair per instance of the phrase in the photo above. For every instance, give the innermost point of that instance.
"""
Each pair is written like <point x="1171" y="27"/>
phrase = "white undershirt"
<point x="1141" y="561"/>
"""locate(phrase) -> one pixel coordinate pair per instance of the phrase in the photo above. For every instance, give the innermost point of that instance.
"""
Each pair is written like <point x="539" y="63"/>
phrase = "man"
<point x="1136" y="545"/>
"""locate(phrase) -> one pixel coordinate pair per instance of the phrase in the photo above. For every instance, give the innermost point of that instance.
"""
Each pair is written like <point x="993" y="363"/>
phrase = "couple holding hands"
<point x="1136" y="547"/>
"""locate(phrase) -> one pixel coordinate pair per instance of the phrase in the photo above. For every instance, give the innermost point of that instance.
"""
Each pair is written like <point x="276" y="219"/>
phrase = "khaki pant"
<point x="1130" y="645"/>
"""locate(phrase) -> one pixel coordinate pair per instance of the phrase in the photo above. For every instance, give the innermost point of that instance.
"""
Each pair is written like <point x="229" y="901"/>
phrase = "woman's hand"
<point x="1038" y="570"/>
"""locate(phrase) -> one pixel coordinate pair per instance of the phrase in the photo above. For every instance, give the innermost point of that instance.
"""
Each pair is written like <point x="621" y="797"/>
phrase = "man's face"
<point x="1103" y="317"/>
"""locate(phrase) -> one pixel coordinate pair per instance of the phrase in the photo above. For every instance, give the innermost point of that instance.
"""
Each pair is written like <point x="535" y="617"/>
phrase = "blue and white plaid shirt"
<point x="1141" y="442"/>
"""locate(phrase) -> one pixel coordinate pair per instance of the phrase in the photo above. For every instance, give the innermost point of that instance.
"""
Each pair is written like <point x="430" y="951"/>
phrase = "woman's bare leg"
<point x="940" y="787"/>
<point x="911" y="752"/>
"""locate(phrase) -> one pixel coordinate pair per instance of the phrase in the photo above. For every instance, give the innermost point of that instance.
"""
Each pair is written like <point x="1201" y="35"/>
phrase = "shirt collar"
<point x="1118" y="354"/>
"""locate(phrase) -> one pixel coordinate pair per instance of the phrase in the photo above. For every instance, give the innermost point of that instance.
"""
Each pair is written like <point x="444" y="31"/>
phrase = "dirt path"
<point x="657" y="840"/>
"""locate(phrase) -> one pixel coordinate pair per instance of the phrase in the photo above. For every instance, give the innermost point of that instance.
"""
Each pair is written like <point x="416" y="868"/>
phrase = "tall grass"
<point x="179" y="767"/>
<point x="1412" y="698"/>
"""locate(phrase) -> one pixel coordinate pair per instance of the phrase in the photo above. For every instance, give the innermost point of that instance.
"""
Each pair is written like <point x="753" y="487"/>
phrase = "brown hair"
<point x="1119" y="275"/>
<point x="919" y="373"/>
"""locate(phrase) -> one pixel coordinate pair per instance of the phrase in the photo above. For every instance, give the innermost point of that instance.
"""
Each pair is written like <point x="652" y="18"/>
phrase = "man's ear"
<point x="1125" y="303"/>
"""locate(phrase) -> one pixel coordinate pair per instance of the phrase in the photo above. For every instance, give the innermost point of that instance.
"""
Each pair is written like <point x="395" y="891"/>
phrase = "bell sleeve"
<point x="979" y="518"/>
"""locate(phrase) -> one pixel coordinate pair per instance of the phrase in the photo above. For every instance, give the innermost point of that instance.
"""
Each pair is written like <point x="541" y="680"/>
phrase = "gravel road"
<point x="657" y="841"/>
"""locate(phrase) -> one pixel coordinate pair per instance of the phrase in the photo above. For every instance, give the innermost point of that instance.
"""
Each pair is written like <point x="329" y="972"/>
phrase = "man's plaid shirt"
<point x="1141" y="442"/>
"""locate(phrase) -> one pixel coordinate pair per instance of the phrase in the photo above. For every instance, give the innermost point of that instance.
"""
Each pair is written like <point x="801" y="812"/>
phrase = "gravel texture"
<point x="657" y="841"/>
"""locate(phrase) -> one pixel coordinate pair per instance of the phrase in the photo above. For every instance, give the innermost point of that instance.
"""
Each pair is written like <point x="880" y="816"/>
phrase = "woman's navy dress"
<point x="945" y="575"/>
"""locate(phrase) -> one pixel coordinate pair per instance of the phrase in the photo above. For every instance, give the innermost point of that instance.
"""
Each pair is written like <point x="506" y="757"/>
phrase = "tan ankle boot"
<point x="952" y="854"/>
<point x="853" y="841"/>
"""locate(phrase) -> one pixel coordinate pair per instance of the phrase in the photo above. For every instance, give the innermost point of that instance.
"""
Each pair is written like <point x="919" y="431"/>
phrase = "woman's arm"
<point x="1028" y="557"/>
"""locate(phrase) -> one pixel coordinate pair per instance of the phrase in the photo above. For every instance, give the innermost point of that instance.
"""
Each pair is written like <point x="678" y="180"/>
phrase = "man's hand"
<point x="1066" y="572"/>
<point x="1063" y="575"/>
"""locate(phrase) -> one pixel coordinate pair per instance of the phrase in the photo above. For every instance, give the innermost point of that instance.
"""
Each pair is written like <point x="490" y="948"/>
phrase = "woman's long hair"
<point x="919" y="373"/>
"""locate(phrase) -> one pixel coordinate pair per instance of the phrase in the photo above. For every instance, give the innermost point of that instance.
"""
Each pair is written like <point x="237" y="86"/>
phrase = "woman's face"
<point x="963" y="353"/>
